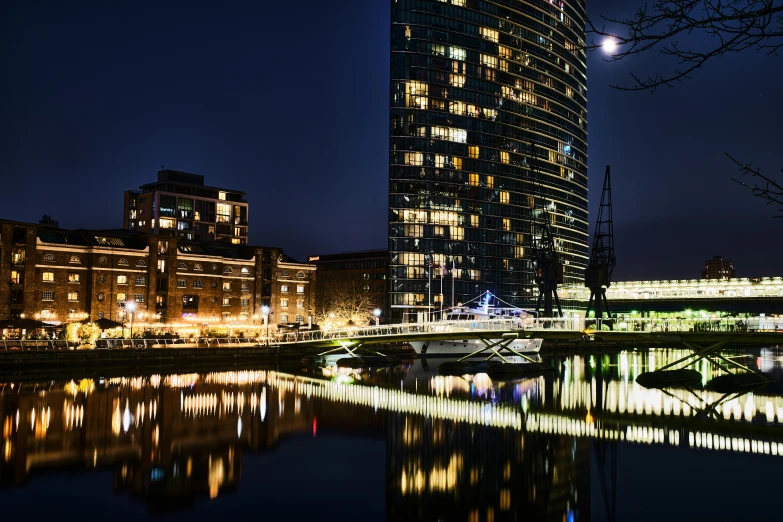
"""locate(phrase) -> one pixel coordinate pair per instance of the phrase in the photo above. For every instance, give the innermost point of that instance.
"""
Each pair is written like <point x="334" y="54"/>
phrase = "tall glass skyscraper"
<point x="488" y="138"/>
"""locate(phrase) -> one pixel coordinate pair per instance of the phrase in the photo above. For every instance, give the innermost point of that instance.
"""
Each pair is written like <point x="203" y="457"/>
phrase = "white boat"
<point x="466" y="346"/>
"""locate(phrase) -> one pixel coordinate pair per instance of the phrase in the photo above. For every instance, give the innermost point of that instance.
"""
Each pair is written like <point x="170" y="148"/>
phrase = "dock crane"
<point x="598" y="275"/>
<point x="546" y="262"/>
<point x="549" y="271"/>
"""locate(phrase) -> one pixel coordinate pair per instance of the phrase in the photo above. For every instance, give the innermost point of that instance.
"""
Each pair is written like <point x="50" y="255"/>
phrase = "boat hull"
<point x="466" y="346"/>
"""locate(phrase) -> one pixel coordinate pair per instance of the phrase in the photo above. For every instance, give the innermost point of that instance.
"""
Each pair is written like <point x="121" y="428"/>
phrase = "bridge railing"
<point x="10" y="345"/>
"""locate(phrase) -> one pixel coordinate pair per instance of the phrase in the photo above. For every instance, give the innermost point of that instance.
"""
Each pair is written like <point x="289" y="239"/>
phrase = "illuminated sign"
<point x="314" y="258"/>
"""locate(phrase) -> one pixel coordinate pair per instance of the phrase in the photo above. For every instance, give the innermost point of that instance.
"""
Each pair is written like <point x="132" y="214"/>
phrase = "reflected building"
<point x="488" y="139"/>
<point x="441" y="470"/>
<point x="463" y="449"/>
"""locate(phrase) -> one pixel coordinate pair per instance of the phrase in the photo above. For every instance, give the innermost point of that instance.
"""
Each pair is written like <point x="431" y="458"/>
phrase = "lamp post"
<point x="377" y="314"/>
<point x="131" y="307"/>
<point x="265" y="313"/>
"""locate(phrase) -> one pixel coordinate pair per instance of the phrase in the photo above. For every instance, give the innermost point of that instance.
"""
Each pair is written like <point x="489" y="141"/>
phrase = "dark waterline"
<point x="399" y="443"/>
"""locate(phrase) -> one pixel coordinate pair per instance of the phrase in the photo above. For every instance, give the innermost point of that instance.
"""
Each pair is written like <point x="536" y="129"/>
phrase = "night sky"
<point x="289" y="102"/>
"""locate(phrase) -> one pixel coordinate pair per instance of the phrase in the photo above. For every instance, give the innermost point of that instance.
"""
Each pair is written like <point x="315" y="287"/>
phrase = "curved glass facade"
<point x="475" y="86"/>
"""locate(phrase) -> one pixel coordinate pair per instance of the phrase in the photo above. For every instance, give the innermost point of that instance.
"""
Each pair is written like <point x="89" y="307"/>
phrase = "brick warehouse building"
<point x="60" y="275"/>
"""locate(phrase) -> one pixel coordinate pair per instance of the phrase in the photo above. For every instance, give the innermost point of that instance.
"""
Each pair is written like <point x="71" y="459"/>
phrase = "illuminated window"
<point x="474" y="220"/>
<point x="122" y="280"/>
<point x="16" y="277"/>
<point x="456" y="80"/>
<point x="457" y="53"/>
<point x="244" y="302"/>
<point x="489" y="60"/>
<point x="440" y="231"/>
<point x="73" y="278"/>
<point x="284" y="288"/>
<point x="414" y="158"/>
<point x="223" y="213"/>
<point x="121" y="298"/>
<point x="300" y="289"/>
<point x="245" y="286"/>
<point x="473" y="179"/>
<point x="490" y="181"/>
<point x="413" y="230"/>
<point x="519" y="252"/>
<point x="226" y="285"/>
<point x="168" y="223"/>
<point x="222" y="195"/>
<point x="473" y="151"/>
<point x="283" y="318"/>
<point x="48" y="277"/>
<point x="506" y="224"/>
<point x="457" y="233"/>
<point x="489" y="34"/>
<point x="416" y="95"/>
<point x="504" y="52"/>
<point x="504" y="197"/>
<point x="438" y="49"/>
<point x="226" y="301"/>
<point x="504" y="156"/>
<point x="47" y="295"/>
<point x="284" y="303"/>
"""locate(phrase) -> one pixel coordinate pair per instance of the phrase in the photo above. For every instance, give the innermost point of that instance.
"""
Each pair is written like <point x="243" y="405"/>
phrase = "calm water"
<point x="582" y="443"/>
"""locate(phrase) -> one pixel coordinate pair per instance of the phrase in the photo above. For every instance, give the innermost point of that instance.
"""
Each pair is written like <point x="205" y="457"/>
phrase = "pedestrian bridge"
<point x="645" y="331"/>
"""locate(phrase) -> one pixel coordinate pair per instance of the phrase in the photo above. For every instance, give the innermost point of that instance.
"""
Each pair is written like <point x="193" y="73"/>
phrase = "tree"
<point x="730" y="25"/>
<point x="771" y="190"/>
<point x="343" y="299"/>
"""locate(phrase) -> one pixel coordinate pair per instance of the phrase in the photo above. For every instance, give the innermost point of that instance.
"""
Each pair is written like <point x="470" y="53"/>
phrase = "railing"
<point x="499" y="325"/>
<point x="10" y="345"/>
<point x="403" y="331"/>
<point x="35" y="345"/>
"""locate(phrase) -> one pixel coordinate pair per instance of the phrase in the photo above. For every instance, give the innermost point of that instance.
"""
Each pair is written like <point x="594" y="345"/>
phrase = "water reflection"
<point x="457" y="448"/>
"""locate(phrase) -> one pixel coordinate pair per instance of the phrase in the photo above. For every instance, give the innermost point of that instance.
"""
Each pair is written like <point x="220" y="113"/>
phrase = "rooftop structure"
<point x="179" y="204"/>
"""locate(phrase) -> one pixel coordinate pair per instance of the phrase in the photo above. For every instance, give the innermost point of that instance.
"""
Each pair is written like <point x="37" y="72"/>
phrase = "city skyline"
<point x="92" y="109"/>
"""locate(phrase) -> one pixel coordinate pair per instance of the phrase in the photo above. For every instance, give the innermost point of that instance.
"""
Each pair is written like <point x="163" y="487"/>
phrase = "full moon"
<point x="609" y="45"/>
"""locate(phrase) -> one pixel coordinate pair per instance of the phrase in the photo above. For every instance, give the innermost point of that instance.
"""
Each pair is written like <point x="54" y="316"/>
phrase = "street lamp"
<point x="265" y="313"/>
<point x="377" y="314"/>
<point x="131" y="307"/>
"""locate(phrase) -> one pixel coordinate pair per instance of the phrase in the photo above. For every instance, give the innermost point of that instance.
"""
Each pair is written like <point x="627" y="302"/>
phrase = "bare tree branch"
<point x="771" y="190"/>
<point x="730" y="25"/>
<point x="343" y="299"/>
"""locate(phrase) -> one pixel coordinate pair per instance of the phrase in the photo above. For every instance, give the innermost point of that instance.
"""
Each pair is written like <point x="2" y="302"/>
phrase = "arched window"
<point x="48" y="257"/>
<point x="122" y="262"/>
<point x="75" y="259"/>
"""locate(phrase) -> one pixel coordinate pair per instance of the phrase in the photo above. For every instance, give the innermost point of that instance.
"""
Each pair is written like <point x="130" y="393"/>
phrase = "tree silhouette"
<point x="730" y="26"/>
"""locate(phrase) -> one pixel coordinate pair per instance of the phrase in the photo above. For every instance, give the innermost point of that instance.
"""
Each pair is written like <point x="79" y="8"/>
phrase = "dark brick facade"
<point x="64" y="275"/>
<point x="369" y="267"/>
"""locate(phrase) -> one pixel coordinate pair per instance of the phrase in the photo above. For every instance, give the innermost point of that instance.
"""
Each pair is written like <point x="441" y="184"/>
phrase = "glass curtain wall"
<point x="488" y="138"/>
